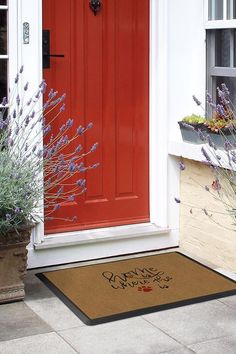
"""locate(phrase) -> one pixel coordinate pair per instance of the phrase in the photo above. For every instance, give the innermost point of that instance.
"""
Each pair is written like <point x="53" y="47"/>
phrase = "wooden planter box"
<point x="13" y="265"/>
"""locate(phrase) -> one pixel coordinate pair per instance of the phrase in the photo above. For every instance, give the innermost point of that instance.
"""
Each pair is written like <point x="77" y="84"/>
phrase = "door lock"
<point x="46" y="50"/>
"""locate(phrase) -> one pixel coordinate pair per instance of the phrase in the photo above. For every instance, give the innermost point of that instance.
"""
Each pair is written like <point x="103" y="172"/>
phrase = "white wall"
<point x="186" y="60"/>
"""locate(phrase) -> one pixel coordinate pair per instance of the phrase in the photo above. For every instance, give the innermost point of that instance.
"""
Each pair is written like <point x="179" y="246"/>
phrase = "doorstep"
<point x="101" y="243"/>
<point x="100" y="235"/>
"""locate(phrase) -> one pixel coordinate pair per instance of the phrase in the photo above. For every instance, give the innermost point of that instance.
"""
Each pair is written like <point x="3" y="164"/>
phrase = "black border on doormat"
<point x="88" y="321"/>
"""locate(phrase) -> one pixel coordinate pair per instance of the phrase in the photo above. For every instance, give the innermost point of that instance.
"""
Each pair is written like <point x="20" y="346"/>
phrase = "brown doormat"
<point x="120" y="289"/>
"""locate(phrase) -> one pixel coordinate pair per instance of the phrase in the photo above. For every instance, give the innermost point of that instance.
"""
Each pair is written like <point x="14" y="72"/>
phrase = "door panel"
<point x="105" y="73"/>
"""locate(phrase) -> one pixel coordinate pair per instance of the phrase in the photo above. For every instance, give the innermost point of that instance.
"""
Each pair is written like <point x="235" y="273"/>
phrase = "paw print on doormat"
<point x="145" y="289"/>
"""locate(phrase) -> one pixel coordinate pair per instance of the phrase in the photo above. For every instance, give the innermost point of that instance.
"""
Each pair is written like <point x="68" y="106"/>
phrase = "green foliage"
<point x="194" y="119"/>
<point x="19" y="192"/>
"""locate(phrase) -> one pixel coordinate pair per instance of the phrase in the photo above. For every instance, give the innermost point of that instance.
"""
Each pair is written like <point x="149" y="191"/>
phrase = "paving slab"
<point x="225" y="345"/>
<point x="18" y="320"/>
<point x="49" y="343"/>
<point x="35" y="289"/>
<point x="196" y="323"/>
<point x="130" y="336"/>
<point x="55" y="313"/>
<point x="229" y="301"/>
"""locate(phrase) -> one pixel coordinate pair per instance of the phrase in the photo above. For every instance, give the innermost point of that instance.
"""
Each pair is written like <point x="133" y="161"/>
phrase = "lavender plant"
<point x="220" y="159"/>
<point x="36" y="172"/>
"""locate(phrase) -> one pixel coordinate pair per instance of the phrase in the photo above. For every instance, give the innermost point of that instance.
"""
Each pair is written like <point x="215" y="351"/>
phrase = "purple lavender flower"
<point x="205" y="212"/>
<point x="29" y="102"/>
<point x="66" y="139"/>
<point x="8" y="217"/>
<point x="220" y="110"/>
<point x="196" y="100"/>
<point x="47" y="129"/>
<point x="69" y="123"/>
<point x="63" y="97"/>
<point x="60" y="190"/>
<point x="210" y="142"/>
<point x="79" y="148"/>
<point x="71" y="198"/>
<point x="17" y="210"/>
<point x="16" y="78"/>
<point x="186" y="125"/>
<point x="201" y="135"/>
<point x="18" y="100"/>
<point x="26" y="86"/>
<point x="62" y="108"/>
<point x="222" y="96"/>
<point x="72" y="167"/>
<point x="209" y="98"/>
<point x="95" y="165"/>
<point x="227" y="145"/>
<point x="94" y="147"/>
<point x="4" y="101"/>
<point x="32" y="114"/>
<point x="27" y="119"/>
<point x="43" y="87"/>
<point x="37" y="94"/>
<point x="81" y="182"/>
<point x="181" y="166"/>
<point x="80" y="130"/>
<point x="56" y="207"/>
<point x="225" y="89"/>
<point x="206" y="154"/>
<point x="90" y="125"/>
<point x="62" y="128"/>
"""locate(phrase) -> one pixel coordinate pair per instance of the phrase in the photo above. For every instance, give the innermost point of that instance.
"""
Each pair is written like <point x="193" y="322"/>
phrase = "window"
<point x="3" y="50"/>
<point x="221" y="45"/>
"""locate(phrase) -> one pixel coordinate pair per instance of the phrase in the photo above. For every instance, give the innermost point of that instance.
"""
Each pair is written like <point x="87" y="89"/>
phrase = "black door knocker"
<point x="95" y="6"/>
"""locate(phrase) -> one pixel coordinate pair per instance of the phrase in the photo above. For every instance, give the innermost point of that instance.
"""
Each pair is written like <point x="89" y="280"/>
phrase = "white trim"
<point x="101" y="249"/>
<point x="158" y="109"/>
<point x="101" y="235"/>
<point x="225" y="9"/>
<point x="162" y="170"/>
<point x="214" y="24"/>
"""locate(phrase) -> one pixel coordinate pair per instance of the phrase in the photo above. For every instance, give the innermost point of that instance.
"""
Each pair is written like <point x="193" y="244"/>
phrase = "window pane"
<point x="215" y="9"/>
<point x="222" y="47"/>
<point x="3" y="2"/>
<point x="3" y="32"/>
<point x="231" y="9"/>
<point x="3" y="78"/>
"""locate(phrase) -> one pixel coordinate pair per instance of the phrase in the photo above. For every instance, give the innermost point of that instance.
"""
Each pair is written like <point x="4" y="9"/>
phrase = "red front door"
<point x="105" y="74"/>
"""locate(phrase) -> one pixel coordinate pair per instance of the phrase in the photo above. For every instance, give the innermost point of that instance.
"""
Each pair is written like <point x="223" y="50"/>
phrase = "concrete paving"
<point x="43" y="324"/>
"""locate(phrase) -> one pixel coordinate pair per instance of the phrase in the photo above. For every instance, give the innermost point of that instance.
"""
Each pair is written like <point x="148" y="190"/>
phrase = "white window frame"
<point x="214" y="24"/>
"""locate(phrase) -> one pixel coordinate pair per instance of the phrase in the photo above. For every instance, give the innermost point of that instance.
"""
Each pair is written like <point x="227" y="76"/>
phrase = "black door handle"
<point x="46" y="50"/>
<point x="54" y="55"/>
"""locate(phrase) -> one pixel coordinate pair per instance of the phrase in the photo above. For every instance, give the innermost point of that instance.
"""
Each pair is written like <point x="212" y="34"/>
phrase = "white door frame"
<point x="164" y="224"/>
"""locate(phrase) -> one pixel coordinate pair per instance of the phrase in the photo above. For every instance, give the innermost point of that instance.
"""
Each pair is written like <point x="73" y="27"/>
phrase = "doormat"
<point x="120" y="289"/>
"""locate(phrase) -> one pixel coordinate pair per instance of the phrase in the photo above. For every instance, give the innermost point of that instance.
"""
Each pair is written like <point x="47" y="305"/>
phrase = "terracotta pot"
<point x="13" y="265"/>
